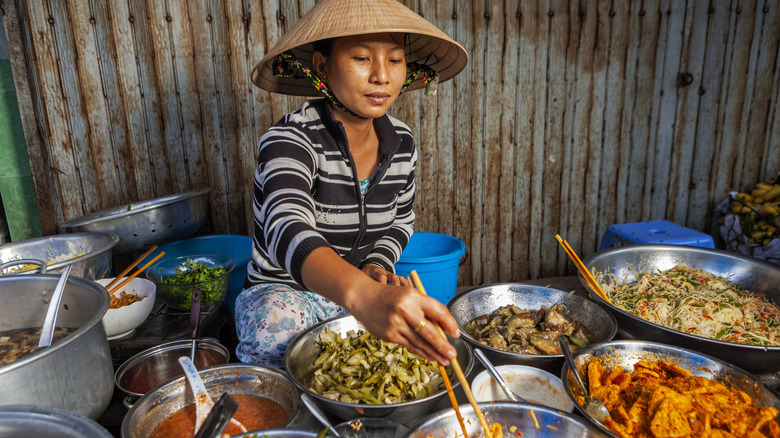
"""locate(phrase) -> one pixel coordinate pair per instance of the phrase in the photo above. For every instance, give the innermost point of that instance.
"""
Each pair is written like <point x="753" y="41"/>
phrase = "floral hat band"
<point x="286" y="65"/>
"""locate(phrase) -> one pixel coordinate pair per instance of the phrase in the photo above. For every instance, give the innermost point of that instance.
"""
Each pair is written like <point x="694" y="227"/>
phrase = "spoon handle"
<point x="570" y="361"/>
<point x="318" y="414"/>
<point x="496" y="376"/>
<point x="47" y="332"/>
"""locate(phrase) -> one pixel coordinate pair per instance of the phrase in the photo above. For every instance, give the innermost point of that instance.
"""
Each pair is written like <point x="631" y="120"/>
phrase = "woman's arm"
<point x="387" y="311"/>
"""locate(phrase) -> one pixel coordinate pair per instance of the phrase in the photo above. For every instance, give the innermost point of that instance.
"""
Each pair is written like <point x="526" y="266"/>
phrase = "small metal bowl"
<point x="485" y="299"/>
<point x="142" y="224"/>
<point x="234" y="379"/>
<point x="515" y="418"/>
<point x="626" y="353"/>
<point x="154" y="366"/>
<point x="88" y="252"/>
<point x="299" y="363"/>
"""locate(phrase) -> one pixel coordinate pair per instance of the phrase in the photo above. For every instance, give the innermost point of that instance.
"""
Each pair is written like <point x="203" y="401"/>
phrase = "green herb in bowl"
<point x="176" y="277"/>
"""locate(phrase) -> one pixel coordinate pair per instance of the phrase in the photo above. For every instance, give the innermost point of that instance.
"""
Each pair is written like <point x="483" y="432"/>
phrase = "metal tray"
<point x="140" y="225"/>
<point x="626" y="263"/>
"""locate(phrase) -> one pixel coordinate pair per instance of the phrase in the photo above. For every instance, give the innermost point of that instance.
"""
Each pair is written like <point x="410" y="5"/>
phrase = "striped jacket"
<point x="307" y="195"/>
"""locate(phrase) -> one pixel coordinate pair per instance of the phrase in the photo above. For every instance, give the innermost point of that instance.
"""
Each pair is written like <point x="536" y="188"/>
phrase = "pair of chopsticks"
<point x="583" y="270"/>
<point x="111" y="288"/>
<point x="459" y="373"/>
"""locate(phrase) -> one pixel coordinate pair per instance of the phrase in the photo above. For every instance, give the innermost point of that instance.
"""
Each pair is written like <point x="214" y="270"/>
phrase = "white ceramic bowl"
<point x="122" y="321"/>
<point x="534" y="385"/>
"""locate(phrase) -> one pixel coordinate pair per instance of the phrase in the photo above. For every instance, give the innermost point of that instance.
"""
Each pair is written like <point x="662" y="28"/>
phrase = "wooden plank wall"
<point x="570" y="116"/>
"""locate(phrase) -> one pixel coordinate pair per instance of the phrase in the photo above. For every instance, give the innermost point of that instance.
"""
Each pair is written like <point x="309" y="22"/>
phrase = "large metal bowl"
<point x="47" y="422"/>
<point x="234" y="379"/>
<point x="515" y="420"/>
<point x="625" y="353"/>
<point x="93" y="263"/>
<point x="626" y="263"/>
<point x="74" y="373"/>
<point x="485" y="299"/>
<point x="299" y="363"/>
<point x="142" y="224"/>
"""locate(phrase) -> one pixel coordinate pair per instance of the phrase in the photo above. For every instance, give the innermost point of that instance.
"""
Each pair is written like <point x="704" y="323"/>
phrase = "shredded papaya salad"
<point x="697" y="302"/>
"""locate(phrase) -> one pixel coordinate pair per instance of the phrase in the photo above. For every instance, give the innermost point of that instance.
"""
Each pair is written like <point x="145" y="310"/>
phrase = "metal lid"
<point x="44" y="422"/>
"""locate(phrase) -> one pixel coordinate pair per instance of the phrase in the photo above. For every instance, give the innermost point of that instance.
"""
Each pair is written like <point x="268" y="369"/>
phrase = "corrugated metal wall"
<point x="570" y="116"/>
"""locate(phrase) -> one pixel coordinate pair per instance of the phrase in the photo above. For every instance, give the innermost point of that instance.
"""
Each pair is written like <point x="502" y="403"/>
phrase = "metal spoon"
<point x="318" y="414"/>
<point x="203" y="402"/>
<point x="593" y="406"/>
<point x="497" y="377"/>
<point x="47" y="332"/>
<point x="219" y="417"/>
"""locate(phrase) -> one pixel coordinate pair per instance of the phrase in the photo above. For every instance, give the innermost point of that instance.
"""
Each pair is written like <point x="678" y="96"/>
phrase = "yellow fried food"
<point x="125" y="299"/>
<point x="663" y="400"/>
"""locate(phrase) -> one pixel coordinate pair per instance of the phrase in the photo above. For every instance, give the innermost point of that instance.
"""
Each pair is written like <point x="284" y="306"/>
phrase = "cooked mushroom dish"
<point x="517" y="330"/>
<point x="17" y="343"/>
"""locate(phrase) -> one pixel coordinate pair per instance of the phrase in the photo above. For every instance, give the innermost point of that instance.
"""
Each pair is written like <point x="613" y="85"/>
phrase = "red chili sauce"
<point x="253" y="412"/>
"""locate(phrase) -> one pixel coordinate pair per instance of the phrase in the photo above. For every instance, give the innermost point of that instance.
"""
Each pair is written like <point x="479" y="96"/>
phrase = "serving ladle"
<point x="47" y="332"/>
<point x="203" y="402"/>
<point x="497" y="377"/>
<point x="593" y="406"/>
<point x="317" y="412"/>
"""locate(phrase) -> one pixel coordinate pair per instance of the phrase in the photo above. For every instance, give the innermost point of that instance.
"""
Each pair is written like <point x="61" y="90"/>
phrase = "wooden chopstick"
<point x="133" y="265"/>
<point x="459" y="372"/>
<point x="135" y="274"/>
<point x="583" y="270"/>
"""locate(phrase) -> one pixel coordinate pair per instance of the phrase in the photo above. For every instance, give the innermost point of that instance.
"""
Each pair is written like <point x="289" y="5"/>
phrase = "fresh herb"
<point x="195" y="274"/>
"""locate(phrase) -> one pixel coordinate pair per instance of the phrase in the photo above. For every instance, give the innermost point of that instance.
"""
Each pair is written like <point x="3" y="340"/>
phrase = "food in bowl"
<point x="697" y="302"/>
<point x="360" y="368"/>
<point x="254" y="413"/>
<point x="531" y="383"/>
<point x="511" y="328"/>
<point x="129" y="306"/>
<point x="18" y="343"/>
<point x="662" y="399"/>
<point x="175" y="279"/>
<point x="124" y="299"/>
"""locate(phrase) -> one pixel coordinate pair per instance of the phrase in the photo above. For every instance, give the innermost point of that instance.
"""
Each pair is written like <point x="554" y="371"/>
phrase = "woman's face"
<point x="365" y="72"/>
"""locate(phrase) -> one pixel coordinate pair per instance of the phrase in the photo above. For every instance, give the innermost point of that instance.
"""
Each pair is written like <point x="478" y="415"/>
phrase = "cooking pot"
<point x="47" y="422"/>
<point x="75" y="373"/>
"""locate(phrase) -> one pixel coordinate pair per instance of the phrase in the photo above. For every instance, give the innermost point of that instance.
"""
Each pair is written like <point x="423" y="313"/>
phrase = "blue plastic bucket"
<point x="237" y="247"/>
<point x="436" y="258"/>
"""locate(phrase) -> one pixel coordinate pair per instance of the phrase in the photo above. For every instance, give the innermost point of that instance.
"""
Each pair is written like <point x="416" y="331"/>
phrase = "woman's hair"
<point x="325" y="46"/>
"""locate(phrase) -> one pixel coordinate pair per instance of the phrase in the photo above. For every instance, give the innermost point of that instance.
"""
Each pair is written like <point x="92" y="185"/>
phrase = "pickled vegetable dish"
<point x="517" y="330"/>
<point x="360" y="368"/>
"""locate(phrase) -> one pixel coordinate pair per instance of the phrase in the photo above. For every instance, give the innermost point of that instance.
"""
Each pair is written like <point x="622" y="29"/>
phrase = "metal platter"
<point x="626" y="353"/>
<point x="626" y="263"/>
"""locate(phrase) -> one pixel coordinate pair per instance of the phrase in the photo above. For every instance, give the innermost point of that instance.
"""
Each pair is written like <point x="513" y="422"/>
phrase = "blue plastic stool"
<point x="654" y="232"/>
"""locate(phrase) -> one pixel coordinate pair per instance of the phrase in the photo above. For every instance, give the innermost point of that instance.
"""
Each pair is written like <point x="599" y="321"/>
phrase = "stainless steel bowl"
<point x="625" y="353"/>
<point x="626" y="263"/>
<point x="299" y="363"/>
<point x="154" y="366"/>
<point x="485" y="299"/>
<point x="513" y="417"/>
<point x="93" y="263"/>
<point x="234" y="379"/>
<point x="74" y="373"/>
<point x="47" y="422"/>
<point x="142" y="224"/>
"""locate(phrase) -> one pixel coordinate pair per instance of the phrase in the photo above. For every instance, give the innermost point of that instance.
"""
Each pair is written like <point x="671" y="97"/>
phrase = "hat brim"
<point x="425" y="43"/>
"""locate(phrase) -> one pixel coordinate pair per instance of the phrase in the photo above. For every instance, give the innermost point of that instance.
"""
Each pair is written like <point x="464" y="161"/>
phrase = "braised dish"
<point x="17" y="343"/>
<point x="662" y="399"/>
<point x="523" y="331"/>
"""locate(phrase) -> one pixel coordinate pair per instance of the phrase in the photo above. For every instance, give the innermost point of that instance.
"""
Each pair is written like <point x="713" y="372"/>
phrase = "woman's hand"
<point x="399" y="314"/>
<point x="384" y="276"/>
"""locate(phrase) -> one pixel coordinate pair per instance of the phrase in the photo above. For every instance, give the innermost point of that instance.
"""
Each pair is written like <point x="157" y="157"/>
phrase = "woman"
<point x="334" y="186"/>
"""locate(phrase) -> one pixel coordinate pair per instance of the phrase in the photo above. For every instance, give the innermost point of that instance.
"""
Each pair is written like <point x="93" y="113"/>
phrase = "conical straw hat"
<point x="426" y="44"/>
